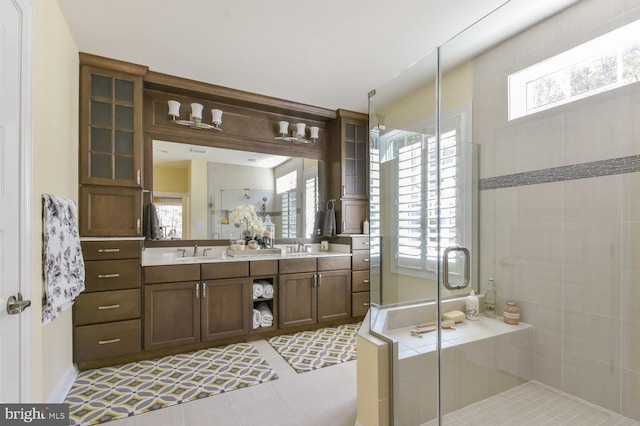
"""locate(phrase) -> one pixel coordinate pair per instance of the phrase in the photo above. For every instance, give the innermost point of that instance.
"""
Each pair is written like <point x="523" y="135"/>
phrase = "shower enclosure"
<point x="511" y="152"/>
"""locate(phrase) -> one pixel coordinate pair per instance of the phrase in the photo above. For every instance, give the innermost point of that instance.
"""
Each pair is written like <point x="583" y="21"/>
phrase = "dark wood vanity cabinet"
<point x="349" y="175"/>
<point x="360" y="277"/>
<point x="211" y="301"/>
<point x="111" y="144"/>
<point x="314" y="290"/>
<point x="106" y="316"/>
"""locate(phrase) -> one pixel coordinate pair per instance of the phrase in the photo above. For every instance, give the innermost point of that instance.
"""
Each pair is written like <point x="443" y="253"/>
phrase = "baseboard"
<point x="62" y="388"/>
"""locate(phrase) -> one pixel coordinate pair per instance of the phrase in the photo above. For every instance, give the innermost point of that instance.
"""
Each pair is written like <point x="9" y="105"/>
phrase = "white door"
<point x="15" y="25"/>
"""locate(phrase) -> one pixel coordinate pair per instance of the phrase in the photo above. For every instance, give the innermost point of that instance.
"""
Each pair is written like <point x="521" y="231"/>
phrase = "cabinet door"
<point x="352" y="215"/>
<point x="297" y="299"/>
<point x="110" y="128"/>
<point x="110" y="212"/>
<point x="334" y="295"/>
<point x="171" y="314"/>
<point x="355" y="159"/>
<point x="226" y="308"/>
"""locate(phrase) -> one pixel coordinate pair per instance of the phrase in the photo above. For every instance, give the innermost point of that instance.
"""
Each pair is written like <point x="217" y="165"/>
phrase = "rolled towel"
<point x="257" y="318"/>
<point x="267" y="316"/>
<point x="267" y="291"/>
<point x="257" y="290"/>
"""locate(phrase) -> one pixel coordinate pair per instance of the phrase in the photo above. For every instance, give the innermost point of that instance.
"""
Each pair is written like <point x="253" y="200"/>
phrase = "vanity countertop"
<point x="173" y="259"/>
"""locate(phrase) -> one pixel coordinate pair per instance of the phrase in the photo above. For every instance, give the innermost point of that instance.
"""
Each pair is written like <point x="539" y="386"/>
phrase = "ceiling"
<point x="326" y="53"/>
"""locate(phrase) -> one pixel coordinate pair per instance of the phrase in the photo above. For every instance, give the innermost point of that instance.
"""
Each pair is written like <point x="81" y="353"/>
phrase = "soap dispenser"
<point x="472" y="307"/>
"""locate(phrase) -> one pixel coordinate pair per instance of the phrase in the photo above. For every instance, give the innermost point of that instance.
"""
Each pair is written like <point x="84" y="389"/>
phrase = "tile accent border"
<point x="612" y="166"/>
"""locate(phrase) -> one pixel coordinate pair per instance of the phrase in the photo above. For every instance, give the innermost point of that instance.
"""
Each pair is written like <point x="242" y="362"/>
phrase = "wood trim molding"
<point x="112" y="64"/>
<point x="190" y="88"/>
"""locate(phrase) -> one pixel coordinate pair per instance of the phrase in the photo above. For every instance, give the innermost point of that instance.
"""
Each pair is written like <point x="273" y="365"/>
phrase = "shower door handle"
<point x="445" y="267"/>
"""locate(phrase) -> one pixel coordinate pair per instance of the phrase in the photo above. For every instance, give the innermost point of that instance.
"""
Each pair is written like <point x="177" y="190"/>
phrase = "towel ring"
<point x="333" y="204"/>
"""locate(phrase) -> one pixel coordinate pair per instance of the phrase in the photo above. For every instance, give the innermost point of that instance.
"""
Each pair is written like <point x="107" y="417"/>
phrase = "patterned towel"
<point x="62" y="261"/>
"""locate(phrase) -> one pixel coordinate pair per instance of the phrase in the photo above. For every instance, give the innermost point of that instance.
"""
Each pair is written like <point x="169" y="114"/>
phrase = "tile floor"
<point x="323" y="397"/>
<point x="534" y="404"/>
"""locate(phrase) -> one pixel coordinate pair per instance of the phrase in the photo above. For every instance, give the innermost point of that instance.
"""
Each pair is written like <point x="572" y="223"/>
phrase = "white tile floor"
<point x="534" y="404"/>
<point x="324" y="397"/>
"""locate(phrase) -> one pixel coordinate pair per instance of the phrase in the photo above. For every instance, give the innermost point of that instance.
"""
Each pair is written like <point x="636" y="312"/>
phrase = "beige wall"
<point x="170" y="179"/>
<point x="55" y="171"/>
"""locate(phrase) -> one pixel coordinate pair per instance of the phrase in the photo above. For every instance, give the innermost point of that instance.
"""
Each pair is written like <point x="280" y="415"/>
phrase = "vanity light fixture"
<point x="195" y="117"/>
<point x="298" y="133"/>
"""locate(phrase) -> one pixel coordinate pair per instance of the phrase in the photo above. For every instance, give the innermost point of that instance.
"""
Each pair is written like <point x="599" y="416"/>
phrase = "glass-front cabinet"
<point x="111" y="128"/>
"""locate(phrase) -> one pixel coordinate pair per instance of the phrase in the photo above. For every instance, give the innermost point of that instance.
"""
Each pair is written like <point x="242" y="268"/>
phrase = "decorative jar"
<point x="511" y="314"/>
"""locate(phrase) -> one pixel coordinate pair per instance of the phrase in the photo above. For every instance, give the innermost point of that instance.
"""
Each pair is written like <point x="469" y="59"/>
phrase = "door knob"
<point x="15" y="305"/>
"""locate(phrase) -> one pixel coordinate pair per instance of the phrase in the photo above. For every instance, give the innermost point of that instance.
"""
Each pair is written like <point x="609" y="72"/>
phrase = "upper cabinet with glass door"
<point x="110" y="127"/>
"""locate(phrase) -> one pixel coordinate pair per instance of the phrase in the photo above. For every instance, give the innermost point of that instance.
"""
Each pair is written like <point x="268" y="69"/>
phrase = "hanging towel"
<point x="267" y="316"/>
<point x="62" y="261"/>
<point x="267" y="290"/>
<point x="151" y="226"/>
<point x="330" y="220"/>
<point x="257" y="290"/>
<point x="257" y="318"/>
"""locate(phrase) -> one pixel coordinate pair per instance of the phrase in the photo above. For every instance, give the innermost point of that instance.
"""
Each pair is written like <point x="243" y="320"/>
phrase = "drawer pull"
<point x="104" y="308"/>
<point x="365" y="281"/>
<point x="110" y="250"/>
<point x="108" y="275"/>
<point x="366" y="243"/>
<point x="366" y="304"/>
<point x="365" y="260"/>
<point x="106" y="342"/>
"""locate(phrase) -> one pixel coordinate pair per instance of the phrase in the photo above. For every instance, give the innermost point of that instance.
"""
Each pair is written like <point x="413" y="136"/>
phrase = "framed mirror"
<point x="196" y="189"/>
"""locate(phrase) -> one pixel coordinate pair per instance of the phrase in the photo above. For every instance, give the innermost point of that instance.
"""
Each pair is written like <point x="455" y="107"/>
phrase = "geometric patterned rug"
<point x="310" y="350"/>
<point x="111" y="393"/>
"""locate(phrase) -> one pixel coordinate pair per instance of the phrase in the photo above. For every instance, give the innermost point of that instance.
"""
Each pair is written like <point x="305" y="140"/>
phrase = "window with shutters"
<point x="411" y="160"/>
<point x="286" y="187"/>
<point x="311" y="200"/>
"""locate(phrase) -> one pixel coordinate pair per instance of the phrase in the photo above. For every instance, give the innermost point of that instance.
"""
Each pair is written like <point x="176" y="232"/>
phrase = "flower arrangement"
<point x="246" y="215"/>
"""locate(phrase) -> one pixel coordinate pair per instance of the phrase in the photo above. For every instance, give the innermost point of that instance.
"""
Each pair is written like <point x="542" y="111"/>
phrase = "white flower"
<point x="246" y="215"/>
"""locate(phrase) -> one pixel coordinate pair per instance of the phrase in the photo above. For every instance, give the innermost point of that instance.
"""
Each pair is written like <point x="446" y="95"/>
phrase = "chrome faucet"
<point x="300" y="248"/>
<point x="195" y="251"/>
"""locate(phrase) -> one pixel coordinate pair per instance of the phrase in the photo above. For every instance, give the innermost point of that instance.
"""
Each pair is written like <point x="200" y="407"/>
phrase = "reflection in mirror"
<point x="196" y="188"/>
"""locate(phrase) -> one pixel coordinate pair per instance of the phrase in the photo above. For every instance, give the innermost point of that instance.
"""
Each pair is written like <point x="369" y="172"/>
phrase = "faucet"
<point x="195" y="251"/>
<point x="300" y="248"/>
<point x="205" y="250"/>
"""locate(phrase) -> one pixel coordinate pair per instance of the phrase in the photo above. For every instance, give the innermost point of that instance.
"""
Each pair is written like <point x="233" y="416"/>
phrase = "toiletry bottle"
<point x="472" y="307"/>
<point x="490" y="300"/>
<point x="365" y="227"/>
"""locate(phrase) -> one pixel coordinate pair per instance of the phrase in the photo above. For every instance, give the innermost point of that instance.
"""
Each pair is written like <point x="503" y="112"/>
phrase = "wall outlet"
<point x="324" y="245"/>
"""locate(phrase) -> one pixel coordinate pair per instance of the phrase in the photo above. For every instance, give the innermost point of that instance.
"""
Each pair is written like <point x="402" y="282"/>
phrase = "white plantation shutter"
<point x="414" y="167"/>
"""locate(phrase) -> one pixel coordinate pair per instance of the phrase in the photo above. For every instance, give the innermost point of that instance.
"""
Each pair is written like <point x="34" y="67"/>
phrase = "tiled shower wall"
<point x="561" y="239"/>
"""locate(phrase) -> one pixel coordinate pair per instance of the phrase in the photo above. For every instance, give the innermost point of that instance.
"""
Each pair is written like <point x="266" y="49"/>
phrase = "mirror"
<point x="196" y="188"/>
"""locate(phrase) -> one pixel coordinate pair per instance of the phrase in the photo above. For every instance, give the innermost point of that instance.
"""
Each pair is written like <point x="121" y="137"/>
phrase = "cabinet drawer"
<point x="360" y="242"/>
<point x="212" y="271"/>
<point x="107" y="340"/>
<point x="359" y="304"/>
<point x="295" y="266"/>
<point x="108" y="250"/>
<point x="334" y="263"/>
<point x="106" y="306"/>
<point x="263" y="267"/>
<point x="360" y="281"/>
<point x="360" y="260"/>
<point x="102" y="275"/>
<point x="171" y="273"/>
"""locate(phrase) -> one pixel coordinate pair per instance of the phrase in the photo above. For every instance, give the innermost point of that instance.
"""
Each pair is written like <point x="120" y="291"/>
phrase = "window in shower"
<point x="411" y="159"/>
<point x="599" y="65"/>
